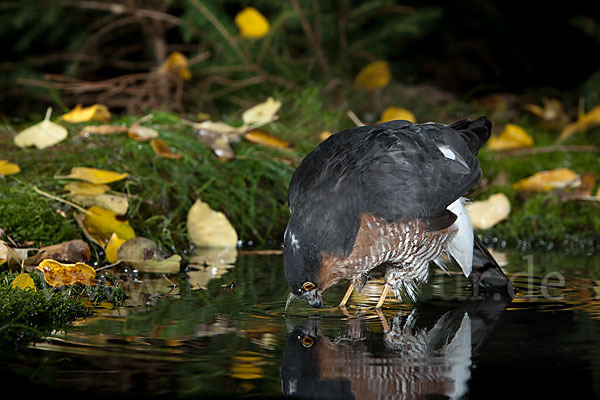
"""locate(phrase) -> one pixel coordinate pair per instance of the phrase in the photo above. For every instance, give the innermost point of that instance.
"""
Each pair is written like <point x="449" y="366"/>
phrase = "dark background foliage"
<point x="466" y="47"/>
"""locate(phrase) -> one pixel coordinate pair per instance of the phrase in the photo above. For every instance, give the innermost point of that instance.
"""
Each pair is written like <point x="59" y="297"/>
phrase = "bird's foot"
<point x="386" y="289"/>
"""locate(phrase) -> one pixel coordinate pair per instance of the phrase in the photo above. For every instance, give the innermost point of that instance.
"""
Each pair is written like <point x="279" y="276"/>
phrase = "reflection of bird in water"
<point x="420" y="354"/>
<point x="388" y="193"/>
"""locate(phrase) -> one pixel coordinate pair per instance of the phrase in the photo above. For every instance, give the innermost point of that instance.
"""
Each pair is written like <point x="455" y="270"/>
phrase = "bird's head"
<point x="302" y="261"/>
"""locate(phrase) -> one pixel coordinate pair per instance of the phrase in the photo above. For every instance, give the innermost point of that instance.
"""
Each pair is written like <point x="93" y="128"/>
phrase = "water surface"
<point x="222" y="332"/>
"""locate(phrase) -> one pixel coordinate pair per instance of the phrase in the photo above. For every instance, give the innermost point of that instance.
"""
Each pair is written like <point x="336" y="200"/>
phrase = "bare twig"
<point x="67" y="202"/>
<point x="312" y="39"/>
<point x="549" y="149"/>
<point x="220" y="27"/>
<point x="354" y="118"/>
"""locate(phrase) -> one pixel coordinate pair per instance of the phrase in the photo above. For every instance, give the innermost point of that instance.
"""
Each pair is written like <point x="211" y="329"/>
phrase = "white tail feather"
<point x="461" y="245"/>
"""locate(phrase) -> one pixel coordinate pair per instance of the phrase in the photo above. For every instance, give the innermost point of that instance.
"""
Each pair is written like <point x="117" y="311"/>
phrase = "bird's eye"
<point x="307" y="341"/>
<point x="308" y="286"/>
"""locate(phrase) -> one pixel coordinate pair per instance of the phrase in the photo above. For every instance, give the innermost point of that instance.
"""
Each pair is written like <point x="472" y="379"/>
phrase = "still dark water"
<point x="223" y="332"/>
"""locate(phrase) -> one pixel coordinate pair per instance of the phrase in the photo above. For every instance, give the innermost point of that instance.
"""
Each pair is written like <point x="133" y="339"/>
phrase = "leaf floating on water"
<point x="95" y="176"/>
<point x="251" y="23"/>
<point x="395" y="113"/>
<point x="162" y="149"/>
<point x="548" y="180"/>
<point x="374" y="75"/>
<point x="97" y="112"/>
<point x="99" y="224"/>
<point x="209" y="228"/>
<point x="145" y="255"/>
<point x="262" y="113"/>
<point x="86" y="188"/>
<point x="8" y="168"/>
<point x="263" y="138"/>
<point x="177" y="64"/>
<point x="42" y="135"/>
<point x="114" y="243"/>
<point x="23" y="281"/>
<point x="512" y="137"/>
<point x="210" y="263"/>
<point x="584" y="122"/>
<point x="487" y="213"/>
<point x="67" y="252"/>
<point x="59" y="274"/>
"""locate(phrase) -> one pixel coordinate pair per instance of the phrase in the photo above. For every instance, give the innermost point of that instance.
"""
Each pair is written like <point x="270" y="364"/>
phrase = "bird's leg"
<point x="347" y="295"/>
<point x="386" y="289"/>
<point x="383" y="320"/>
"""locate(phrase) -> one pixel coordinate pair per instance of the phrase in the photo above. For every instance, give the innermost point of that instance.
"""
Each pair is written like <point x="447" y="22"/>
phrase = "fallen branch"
<point x="549" y="149"/>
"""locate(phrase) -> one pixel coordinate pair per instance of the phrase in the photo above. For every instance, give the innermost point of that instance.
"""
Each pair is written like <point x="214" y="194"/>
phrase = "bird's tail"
<point x="475" y="133"/>
<point x="486" y="275"/>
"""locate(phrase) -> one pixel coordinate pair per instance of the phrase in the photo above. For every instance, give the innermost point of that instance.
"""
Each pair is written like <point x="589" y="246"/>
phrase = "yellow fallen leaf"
<point x="209" y="228"/>
<point x="548" y="180"/>
<point x="512" y="137"/>
<point x="584" y="122"/>
<point x="42" y="135"/>
<point x="162" y="149"/>
<point x="176" y="63"/>
<point x="324" y="135"/>
<point x="100" y="225"/>
<point x="487" y="213"/>
<point x="97" y="112"/>
<point x="144" y="255"/>
<point x="375" y="75"/>
<point x="112" y="247"/>
<point x="23" y="281"/>
<point x="262" y="113"/>
<point x="251" y="23"/>
<point x="8" y="168"/>
<point x="59" y="274"/>
<point x="96" y="176"/>
<point x="86" y="188"/>
<point x="395" y="113"/>
<point x="263" y="138"/>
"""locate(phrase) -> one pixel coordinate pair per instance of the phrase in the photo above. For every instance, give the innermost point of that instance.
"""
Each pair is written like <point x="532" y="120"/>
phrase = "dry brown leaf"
<point x="549" y="180"/>
<point x="162" y="149"/>
<point x="487" y="213"/>
<point x="209" y="228"/>
<point x="59" y="274"/>
<point x="552" y="113"/>
<point x="71" y="252"/>
<point x="10" y="256"/>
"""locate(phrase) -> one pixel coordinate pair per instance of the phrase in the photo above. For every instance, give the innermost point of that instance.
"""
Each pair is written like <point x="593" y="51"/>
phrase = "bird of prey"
<point x="389" y="193"/>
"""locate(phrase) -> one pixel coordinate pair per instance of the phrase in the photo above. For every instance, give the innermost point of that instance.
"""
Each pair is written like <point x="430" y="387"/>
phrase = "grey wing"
<point x="426" y="169"/>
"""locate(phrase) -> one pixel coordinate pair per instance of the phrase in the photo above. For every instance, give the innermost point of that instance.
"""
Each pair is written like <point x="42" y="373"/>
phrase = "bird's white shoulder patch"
<point x="461" y="245"/>
<point x="447" y="152"/>
<point x="294" y="242"/>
